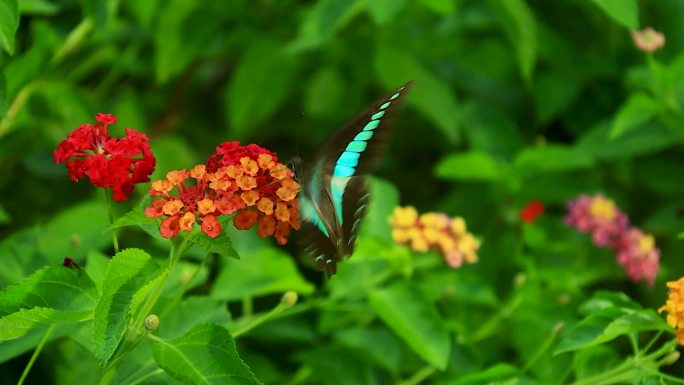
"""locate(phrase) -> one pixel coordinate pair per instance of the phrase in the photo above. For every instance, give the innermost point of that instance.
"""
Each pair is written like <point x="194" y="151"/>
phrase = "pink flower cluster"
<point x="635" y="251"/>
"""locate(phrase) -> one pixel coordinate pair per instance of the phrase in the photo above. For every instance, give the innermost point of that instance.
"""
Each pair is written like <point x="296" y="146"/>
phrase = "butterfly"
<point x="335" y="194"/>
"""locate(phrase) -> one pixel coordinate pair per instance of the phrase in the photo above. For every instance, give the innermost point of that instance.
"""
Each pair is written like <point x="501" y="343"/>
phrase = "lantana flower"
<point x="674" y="306"/>
<point x="255" y="187"/>
<point x="435" y="231"/>
<point x="531" y="211"/>
<point x="108" y="162"/>
<point x="635" y="251"/>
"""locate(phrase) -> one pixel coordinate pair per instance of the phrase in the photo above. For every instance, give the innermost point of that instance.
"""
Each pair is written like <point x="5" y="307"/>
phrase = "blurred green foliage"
<point x="514" y="100"/>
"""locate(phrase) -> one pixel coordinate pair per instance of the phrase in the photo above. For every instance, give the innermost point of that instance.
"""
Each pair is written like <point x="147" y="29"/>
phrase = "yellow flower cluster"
<point x="674" y="306"/>
<point x="435" y="231"/>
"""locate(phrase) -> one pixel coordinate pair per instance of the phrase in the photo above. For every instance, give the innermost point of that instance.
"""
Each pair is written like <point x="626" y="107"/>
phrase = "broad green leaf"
<point x="190" y="313"/>
<point x="323" y="20"/>
<point x="383" y="347"/>
<point x="552" y="158"/>
<point x="259" y="85"/>
<point x="594" y="361"/>
<point x="472" y="165"/>
<point x="610" y="315"/>
<point x="406" y="310"/>
<point x="492" y="131"/>
<point x="75" y="231"/>
<point x="353" y="369"/>
<point x="205" y="355"/>
<point x="324" y="92"/>
<point x="136" y="217"/>
<point x="373" y="262"/>
<point x="9" y="22"/>
<point x="637" y="110"/>
<point x="441" y="6"/>
<point x="383" y="11"/>
<point x="127" y="272"/>
<point x="38" y="7"/>
<point x="656" y="137"/>
<point x="520" y="26"/>
<point x="430" y="95"/>
<point x="504" y="374"/>
<point x="625" y="12"/>
<point x="16" y="347"/>
<point x="19" y="255"/>
<point x="95" y="267"/>
<point x="384" y="197"/>
<point x="263" y="272"/>
<point x="54" y="294"/>
<point x="220" y="245"/>
<point x="553" y="93"/>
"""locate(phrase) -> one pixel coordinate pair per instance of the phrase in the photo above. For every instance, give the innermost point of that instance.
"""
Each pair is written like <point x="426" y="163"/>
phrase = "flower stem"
<point x="259" y="320"/>
<point x="110" y="209"/>
<point x="35" y="354"/>
<point x="419" y="376"/>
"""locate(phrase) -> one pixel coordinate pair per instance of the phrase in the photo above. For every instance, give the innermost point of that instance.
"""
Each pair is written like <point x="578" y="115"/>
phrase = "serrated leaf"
<point x="430" y="95"/>
<point x="637" y="110"/>
<point x="406" y="310"/>
<point x="610" y="315"/>
<point x="625" y="12"/>
<point x="259" y="85"/>
<point x="54" y="294"/>
<point x="126" y="273"/>
<point x="205" y="355"/>
<point x="472" y="165"/>
<point x="9" y="22"/>
<point x="220" y="245"/>
<point x="263" y="272"/>
<point x="136" y="217"/>
<point x="520" y="26"/>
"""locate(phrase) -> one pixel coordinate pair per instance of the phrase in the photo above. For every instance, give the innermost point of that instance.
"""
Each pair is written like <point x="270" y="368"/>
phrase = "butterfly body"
<point x="335" y="193"/>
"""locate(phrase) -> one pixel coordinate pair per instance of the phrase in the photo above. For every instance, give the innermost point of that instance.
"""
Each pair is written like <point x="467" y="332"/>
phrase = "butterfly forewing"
<point x="334" y="192"/>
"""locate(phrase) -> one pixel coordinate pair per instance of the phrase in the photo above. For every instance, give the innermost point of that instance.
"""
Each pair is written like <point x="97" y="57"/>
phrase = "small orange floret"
<point x="211" y="226"/>
<point x="186" y="221"/>
<point x="205" y="206"/>
<point x="282" y="212"/>
<point x="265" y="205"/>
<point x="169" y="226"/>
<point x="265" y="161"/>
<point x="198" y="172"/>
<point x="233" y="171"/>
<point x="249" y="166"/>
<point x="220" y="185"/>
<point x="245" y="219"/>
<point x="162" y="186"/>
<point x="266" y="226"/>
<point x="172" y="207"/>
<point x="176" y="177"/>
<point x="280" y="172"/>
<point x="250" y="197"/>
<point x="246" y="182"/>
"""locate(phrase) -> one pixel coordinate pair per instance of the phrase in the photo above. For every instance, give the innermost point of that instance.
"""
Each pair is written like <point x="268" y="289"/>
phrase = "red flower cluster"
<point x="635" y="251"/>
<point x="108" y="162"/>
<point x="531" y="211"/>
<point x="254" y="187"/>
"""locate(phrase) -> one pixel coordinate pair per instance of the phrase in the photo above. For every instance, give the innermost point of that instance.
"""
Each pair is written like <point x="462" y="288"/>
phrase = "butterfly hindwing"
<point x="334" y="191"/>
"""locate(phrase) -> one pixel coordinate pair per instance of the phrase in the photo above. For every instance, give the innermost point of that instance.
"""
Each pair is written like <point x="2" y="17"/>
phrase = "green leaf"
<point x="553" y="93"/>
<point x="503" y="374"/>
<point x="259" y="85"/>
<point x="637" y="110"/>
<point x="384" y="197"/>
<point x="51" y="295"/>
<point x="75" y="231"/>
<point x="610" y="315"/>
<point x="406" y="310"/>
<point x="136" y="217"/>
<point x="38" y="7"/>
<point x="625" y="12"/>
<point x="430" y="95"/>
<point x="598" y="144"/>
<point x="445" y="7"/>
<point x="190" y="313"/>
<point x="520" y="26"/>
<point x="552" y="158"/>
<point x="9" y="22"/>
<point x="377" y="342"/>
<point x="472" y="165"/>
<point x="322" y="20"/>
<point x="127" y="272"/>
<point x="383" y="11"/>
<point x="263" y="272"/>
<point x="220" y="245"/>
<point x="324" y="92"/>
<point x="205" y="355"/>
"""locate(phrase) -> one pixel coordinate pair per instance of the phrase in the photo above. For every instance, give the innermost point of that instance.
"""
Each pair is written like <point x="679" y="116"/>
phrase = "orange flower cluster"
<point x="435" y="231"/>
<point x="674" y="306"/>
<point x="258" y="191"/>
